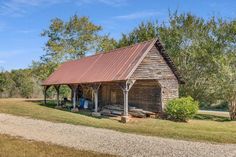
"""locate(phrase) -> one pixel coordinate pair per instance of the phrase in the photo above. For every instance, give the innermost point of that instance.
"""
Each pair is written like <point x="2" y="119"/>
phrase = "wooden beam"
<point x="126" y="86"/>
<point x="126" y="105"/>
<point x="45" y="94"/>
<point x="71" y="96"/>
<point x="96" y="100"/>
<point x="95" y="88"/>
<point x="74" y="91"/>
<point x="57" y="87"/>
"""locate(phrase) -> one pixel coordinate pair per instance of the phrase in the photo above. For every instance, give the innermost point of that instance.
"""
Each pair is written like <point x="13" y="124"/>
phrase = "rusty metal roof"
<point x="115" y="65"/>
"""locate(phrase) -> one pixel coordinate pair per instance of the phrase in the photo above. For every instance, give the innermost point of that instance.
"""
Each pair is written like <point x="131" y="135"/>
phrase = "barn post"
<point x="126" y="86"/>
<point x="126" y="105"/>
<point x="57" y="87"/>
<point x="71" y="96"/>
<point x="95" y="89"/>
<point x="74" y="90"/>
<point x="96" y="100"/>
<point x="45" y="94"/>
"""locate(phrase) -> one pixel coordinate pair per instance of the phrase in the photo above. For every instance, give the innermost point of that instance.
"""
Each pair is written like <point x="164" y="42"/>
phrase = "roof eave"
<point x="169" y="61"/>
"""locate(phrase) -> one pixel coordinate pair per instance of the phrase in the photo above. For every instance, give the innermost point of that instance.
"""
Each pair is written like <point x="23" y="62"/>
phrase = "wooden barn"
<point x="141" y="75"/>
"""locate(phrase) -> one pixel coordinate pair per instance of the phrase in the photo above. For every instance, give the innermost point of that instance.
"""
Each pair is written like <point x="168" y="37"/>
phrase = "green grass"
<point x="211" y="128"/>
<point x="18" y="147"/>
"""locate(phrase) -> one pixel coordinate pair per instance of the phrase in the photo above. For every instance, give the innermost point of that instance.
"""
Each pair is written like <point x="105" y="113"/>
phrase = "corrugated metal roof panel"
<point x="105" y="67"/>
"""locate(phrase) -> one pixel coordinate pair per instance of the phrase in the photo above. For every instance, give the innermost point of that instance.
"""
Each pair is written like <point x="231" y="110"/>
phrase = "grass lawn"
<point x="204" y="127"/>
<point x="17" y="147"/>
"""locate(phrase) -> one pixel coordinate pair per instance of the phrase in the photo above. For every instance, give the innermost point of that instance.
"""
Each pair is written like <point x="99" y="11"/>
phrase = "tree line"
<point x="19" y="83"/>
<point x="204" y="51"/>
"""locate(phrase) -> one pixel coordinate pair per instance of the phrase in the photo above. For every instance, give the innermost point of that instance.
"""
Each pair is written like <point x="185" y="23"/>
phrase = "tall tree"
<point x="6" y="84"/>
<point x="144" y="32"/>
<point x="68" y="40"/>
<point x="23" y="82"/>
<point x="224" y="82"/>
<point x="106" y="44"/>
<point x="72" y="39"/>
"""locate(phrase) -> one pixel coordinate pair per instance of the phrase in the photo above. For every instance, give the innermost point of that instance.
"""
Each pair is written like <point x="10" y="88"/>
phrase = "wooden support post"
<point x="95" y="89"/>
<point x="45" y="94"/>
<point x="96" y="100"/>
<point x="71" y="96"/>
<point x="74" y="90"/>
<point x="126" y="106"/>
<point x="126" y="86"/>
<point x="57" y="87"/>
<point x="74" y="97"/>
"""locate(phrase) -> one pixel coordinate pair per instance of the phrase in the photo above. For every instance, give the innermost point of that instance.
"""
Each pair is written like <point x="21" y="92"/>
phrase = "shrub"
<point x="181" y="109"/>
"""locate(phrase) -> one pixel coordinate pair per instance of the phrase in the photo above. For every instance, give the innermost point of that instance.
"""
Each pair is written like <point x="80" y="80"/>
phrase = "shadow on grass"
<point x="211" y="117"/>
<point x="52" y="104"/>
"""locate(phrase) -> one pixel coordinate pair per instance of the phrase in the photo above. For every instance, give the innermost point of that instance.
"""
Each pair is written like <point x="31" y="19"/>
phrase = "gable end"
<point x="169" y="61"/>
<point x="153" y="66"/>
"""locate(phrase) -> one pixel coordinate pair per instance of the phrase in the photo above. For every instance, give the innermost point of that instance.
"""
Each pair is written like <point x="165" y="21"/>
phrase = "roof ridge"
<point x="125" y="47"/>
<point x="112" y="51"/>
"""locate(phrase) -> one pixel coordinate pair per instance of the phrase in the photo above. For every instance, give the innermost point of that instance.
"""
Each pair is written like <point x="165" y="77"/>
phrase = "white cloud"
<point x="137" y="15"/>
<point x="19" y="7"/>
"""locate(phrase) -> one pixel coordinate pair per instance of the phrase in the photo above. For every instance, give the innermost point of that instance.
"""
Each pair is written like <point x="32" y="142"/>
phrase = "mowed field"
<point x="18" y="147"/>
<point x="210" y="127"/>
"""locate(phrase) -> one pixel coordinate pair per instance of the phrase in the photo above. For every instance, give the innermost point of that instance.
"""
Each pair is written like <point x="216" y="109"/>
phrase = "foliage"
<point x="218" y="106"/>
<point x="69" y="40"/>
<point x="5" y="82"/>
<point x="106" y="44"/>
<point x="74" y="39"/>
<point x="203" y="51"/>
<point x="181" y="109"/>
<point x="225" y="80"/>
<point x="19" y="83"/>
<point x="144" y="32"/>
<point x="42" y="69"/>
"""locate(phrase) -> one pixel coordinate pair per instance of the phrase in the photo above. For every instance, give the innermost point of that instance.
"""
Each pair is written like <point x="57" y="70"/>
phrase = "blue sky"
<point x="22" y="21"/>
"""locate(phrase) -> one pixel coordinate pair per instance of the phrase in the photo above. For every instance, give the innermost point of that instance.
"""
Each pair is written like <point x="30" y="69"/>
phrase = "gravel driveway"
<point x="108" y="141"/>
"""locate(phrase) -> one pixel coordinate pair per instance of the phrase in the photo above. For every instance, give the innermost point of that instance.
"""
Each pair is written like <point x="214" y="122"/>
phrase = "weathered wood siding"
<point x="144" y="94"/>
<point x="105" y="94"/>
<point x="155" y="67"/>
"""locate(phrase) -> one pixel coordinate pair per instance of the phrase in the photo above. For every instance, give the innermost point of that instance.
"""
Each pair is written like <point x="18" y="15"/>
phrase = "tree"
<point x="70" y="40"/>
<point x="144" y="32"/>
<point x="6" y="84"/>
<point x="23" y="82"/>
<point x="19" y="83"/>
<point x="225" y="82"/>
<point x="43" y="68"/>
<point x="74" y="39"/>
<point x="106" y="44"/>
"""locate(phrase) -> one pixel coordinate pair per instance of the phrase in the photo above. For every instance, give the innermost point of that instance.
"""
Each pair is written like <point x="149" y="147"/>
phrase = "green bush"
<point x="181" y="109"/>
